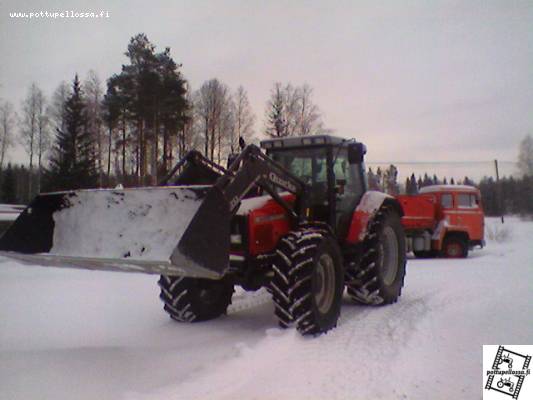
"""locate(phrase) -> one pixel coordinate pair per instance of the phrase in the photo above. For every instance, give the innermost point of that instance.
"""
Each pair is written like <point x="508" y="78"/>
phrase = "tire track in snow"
<point x="286" y="365"/>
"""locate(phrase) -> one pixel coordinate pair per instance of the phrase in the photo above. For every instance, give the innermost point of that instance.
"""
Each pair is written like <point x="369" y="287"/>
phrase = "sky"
<point x="414" y="80"/>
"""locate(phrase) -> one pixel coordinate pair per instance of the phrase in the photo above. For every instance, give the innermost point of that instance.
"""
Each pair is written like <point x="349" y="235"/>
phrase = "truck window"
<point x="446" y="201"/>
<point x="466" y="200"/>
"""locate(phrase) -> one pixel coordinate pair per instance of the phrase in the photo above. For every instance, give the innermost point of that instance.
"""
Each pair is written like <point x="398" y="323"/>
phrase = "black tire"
<point x="194" y="300"/>
<point x="308" y="281"/>
<point x="424" y="254"/>
<point x="380" y="276"/>
<point x="454" y="246"/>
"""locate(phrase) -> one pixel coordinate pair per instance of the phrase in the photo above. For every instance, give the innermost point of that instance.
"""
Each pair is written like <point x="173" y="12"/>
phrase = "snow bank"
<point x="135" y="223"/>
<point x="10" y="212"/>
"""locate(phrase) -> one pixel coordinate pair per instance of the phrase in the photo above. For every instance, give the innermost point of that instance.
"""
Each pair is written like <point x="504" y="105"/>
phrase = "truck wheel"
<point x="194" y="300"/>
<point x="454" y="247"/>
<point x="308" y="281"/>
<point x="380" y="276"/>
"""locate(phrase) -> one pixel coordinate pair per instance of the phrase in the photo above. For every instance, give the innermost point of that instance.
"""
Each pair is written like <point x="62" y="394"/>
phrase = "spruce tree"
<point x="9" y="194"/>
<point x="72" y="165"/>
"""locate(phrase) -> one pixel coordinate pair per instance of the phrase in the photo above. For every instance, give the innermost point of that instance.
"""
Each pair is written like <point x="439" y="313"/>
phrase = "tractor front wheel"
<point x="308" y="281"/>
<point x="193" y="299"/>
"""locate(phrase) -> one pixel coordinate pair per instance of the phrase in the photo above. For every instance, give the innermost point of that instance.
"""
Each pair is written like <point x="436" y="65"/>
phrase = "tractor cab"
<point x="333" y="170"/>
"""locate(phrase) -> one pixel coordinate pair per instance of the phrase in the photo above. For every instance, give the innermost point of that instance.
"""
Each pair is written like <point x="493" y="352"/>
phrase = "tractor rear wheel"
<point x="380" y="276"/>
<point x="308" y="281"/>
<point x="193" y="299"/>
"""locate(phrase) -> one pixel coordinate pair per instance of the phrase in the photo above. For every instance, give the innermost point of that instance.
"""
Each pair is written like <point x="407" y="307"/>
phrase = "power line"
<point x="436" y="162"/>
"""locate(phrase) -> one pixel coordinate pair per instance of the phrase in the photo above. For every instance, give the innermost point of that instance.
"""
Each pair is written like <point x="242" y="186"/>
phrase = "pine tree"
<point x="411" y="185"/>
<point x="9" y="194"/>
<point x="72" y="166"/>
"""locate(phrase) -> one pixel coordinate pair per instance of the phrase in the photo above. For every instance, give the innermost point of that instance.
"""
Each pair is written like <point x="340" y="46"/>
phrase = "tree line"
<point x="508" y="195"/>
<point x="132" y="129"/>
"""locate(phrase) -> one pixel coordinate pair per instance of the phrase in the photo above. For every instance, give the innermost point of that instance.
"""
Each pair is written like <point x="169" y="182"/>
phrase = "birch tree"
<point x="244" y="119"/>
<point x="43" y="134"/>
<point x="525" y="156"/>
<point x="8" y="119"/>
<point x="29" y="127"/>
<point x="291" y="112"/>
<point x="93" y="99"/>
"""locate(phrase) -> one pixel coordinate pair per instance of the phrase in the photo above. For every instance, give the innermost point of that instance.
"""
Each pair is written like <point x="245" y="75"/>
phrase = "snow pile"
<point x="135" y="223"/>
<point x="78" y="334"/>
<point x="497" y="232"/>
<point x="10" y="212"/>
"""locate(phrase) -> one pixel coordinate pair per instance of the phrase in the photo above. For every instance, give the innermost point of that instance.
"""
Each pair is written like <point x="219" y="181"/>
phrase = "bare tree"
<point x="309" y="116"/>
<point x="244" y="119"/>
<point x="56" y="108"/>
<point x="43" y="133"/>
<point x="8" y="119"/>
<point x="291" y="112"/>
<point x="94" y="95"/>
<point x="186" y="135"/>
<point x="213" y="108"/>
<point x="29" y="127"/>
<point x="525" y="156"/>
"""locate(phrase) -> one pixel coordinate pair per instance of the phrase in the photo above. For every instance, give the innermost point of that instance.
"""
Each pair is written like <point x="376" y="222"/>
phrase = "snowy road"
<point x="68" y="334"/>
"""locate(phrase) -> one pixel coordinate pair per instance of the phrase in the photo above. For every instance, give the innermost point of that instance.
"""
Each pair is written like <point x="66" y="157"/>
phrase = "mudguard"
<point x="369" y="204"/>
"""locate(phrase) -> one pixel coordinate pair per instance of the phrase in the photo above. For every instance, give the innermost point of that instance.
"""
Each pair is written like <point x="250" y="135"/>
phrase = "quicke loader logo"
<point x="509" y="370"/>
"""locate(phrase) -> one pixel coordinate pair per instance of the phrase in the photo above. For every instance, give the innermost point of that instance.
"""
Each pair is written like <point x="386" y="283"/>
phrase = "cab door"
<point x="349" y="186"/>
<point x="469" y="214"/>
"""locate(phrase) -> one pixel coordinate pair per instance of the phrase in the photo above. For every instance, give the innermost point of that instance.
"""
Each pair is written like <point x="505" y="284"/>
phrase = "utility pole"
<point x="498" y="190"/>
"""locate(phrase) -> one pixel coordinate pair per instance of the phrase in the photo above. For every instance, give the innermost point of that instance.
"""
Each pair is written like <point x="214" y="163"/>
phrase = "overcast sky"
<point x="414" y="80"/>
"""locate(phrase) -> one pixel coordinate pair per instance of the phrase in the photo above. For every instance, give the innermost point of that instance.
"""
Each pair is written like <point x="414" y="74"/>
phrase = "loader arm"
<point x="252" y="167"/>
<point x="195" y="170"/>
<point x="206" y="241"/>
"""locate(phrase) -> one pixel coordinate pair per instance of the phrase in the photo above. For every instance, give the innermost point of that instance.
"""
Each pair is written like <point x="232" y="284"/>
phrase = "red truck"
<point x="445" y="220"/>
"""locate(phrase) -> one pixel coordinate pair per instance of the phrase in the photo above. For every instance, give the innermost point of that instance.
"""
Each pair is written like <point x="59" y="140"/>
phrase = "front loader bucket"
<point x="180" y="230"/>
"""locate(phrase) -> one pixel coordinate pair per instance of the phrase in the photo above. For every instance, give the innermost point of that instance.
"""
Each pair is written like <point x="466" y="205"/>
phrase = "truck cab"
<point x="445" y="220"/>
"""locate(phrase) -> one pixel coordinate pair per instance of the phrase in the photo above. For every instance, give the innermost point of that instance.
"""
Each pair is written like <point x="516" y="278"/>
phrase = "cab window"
<point x="465" y="200"/>
<point x="446" y="201"/>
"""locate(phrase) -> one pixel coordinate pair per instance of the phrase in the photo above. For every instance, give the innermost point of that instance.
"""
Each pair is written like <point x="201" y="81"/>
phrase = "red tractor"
<point x="445" y="220"/>
<point x="297" y="220"/>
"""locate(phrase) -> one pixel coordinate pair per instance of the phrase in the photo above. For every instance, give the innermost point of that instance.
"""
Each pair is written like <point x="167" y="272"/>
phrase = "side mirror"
<point x="356" y="153"/>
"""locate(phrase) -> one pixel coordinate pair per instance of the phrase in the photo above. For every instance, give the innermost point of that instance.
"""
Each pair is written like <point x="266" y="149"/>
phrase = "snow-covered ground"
<point x="74" y="334"/>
